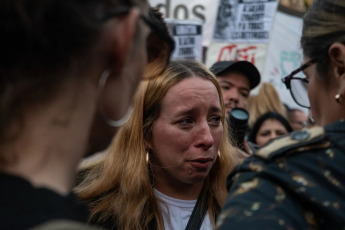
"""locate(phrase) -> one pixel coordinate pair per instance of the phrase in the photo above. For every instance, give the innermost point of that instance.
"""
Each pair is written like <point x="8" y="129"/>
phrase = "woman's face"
<point x="269" y="129"/>
<point x="321" y="93"/>
<point x="187" y="134"/>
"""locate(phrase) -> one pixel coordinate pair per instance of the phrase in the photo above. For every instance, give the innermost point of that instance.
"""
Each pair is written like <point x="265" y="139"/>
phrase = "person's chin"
<point x="197" y="178"/>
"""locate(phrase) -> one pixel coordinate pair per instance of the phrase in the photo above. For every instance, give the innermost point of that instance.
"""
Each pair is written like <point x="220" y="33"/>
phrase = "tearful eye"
<point x="186" y="121"/>
<point x="215" y="120"/>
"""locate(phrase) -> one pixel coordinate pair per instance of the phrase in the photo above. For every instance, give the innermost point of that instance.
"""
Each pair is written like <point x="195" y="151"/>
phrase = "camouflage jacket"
<point x="295" y="182"/>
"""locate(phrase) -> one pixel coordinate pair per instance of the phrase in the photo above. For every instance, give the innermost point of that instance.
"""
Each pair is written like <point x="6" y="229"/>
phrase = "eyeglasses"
<point x="159" y="43"/>
<point x="299" y="86"/>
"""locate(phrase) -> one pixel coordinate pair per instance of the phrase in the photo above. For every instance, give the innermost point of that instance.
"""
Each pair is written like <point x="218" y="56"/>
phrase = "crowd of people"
<point x="81" y="79"/>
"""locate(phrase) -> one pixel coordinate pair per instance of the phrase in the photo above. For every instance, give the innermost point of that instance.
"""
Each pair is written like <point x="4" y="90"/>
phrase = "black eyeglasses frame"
<point x="287" y="80"/>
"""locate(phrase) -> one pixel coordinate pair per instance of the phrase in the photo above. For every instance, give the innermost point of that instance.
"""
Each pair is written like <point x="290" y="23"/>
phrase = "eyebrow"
<point x="193" y="110"/>
<point x="216" y="109"/>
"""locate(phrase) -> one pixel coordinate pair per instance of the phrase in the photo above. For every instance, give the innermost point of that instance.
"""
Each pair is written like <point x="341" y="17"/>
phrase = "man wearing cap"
<point x="236" y="80"/>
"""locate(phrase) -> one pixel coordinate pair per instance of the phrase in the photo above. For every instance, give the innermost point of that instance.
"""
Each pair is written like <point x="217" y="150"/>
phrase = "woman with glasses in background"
<point x="63" y="65"/>
<point x="298" y="181"/>
<point x="167" y="166"/>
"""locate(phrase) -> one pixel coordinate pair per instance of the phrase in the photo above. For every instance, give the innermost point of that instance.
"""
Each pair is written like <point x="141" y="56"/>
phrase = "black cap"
<point x="245" y="67"/>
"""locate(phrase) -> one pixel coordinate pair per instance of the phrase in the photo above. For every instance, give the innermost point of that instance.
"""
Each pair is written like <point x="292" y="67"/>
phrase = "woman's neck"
<point x="179" y="191"/>
<point x="52" y="140"/>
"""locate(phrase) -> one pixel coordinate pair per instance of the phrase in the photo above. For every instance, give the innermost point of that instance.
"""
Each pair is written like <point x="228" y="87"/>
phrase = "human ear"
<point x="336" y="53"/>
<point x="148" y="146"/>
<point x="337" y="63"/>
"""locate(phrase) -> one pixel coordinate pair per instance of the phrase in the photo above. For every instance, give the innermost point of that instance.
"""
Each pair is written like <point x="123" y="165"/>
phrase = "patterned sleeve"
<point x="256" y="202"/>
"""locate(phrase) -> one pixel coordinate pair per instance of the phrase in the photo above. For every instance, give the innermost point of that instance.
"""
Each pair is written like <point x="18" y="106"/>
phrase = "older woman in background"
<point x="267" y="127"/>
<point x="170" y="158"/>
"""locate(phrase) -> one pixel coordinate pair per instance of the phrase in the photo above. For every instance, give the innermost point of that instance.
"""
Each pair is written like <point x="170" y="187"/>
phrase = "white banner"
<point x="200" y="11"/>
<point x="247" y="21"/>
<point x="188" y="39"/>
<point x="284" y="54"/>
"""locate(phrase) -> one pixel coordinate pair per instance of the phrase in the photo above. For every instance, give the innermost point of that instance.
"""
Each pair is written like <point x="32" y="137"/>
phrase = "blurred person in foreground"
<point x="297" y="182"/>
<point x="63" y="64"/>
<point x="169" y="160"/>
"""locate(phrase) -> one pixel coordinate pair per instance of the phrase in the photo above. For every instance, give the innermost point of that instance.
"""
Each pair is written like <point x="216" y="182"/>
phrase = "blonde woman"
<point x="267" y="100"/>
<point x="172" y="152"/>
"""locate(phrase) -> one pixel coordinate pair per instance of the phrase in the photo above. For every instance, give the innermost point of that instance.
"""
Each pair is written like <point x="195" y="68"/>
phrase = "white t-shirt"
<point x="176" y="212"/>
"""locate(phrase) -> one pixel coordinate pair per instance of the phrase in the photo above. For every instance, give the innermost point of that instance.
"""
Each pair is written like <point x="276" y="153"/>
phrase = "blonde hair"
<point x="267" y="100"/>
<point x="120" y="185"/>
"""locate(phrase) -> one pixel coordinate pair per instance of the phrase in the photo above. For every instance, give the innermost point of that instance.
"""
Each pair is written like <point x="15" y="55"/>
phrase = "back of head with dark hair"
<point x="323" y="25"/>
<point x="40" y="39"/>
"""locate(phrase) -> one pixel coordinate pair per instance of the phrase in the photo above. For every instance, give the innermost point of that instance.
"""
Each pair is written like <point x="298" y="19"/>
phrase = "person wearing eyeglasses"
<point x="64" y="65"/>
<point x="298" y="181"/>
<point x="167" y="166"/>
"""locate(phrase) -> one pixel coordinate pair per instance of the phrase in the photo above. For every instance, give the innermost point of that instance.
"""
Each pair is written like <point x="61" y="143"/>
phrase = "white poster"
<point x="188" y="39"/>
<point x="248" y="21"/>
<point x="254" y="53"/>
<point x="200" y="11"/>
<point x="284" y="54"/>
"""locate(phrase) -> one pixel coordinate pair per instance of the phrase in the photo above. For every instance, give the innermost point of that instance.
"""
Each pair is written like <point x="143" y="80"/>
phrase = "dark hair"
<point x="323" y="25"/>
<point x="40" y="39"/>
<point x="262" y="119"/>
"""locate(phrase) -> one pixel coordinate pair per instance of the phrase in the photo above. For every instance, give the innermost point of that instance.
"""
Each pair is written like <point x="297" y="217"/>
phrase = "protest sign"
<point x="284" y="54"/>
<point x="193" y="10"/>
<point x="246" y="21"/>
<point x="188" y="39"/>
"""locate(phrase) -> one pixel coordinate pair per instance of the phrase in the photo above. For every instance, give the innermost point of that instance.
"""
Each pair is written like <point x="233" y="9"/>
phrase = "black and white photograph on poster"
<point x="244" y="20"/>
<point x="188" y="39"/>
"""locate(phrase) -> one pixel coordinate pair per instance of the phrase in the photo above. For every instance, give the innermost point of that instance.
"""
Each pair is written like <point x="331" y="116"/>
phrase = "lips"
<point x="202" y="163"/>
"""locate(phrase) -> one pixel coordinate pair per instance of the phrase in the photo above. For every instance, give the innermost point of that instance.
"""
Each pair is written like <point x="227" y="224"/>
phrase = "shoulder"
<point x="298" y="141"/>
<point x="65" y="224"/>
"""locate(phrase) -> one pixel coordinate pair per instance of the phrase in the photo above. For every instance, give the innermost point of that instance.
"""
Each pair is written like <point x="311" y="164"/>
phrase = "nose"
<point x="234" y="95"/>
<point x="204" y="137"/>
<point x="273" y="135"/>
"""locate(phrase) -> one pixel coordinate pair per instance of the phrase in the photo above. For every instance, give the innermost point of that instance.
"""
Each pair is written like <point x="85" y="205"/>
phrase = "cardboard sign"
<point x="188" y="39"/>
<point x="244" y="20"/>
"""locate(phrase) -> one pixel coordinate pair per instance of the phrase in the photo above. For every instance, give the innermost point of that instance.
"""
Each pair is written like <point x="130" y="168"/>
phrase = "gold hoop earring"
<point x="337" y="98"/>
<point x="113" y="123"/>
<point x="147" y="157"/>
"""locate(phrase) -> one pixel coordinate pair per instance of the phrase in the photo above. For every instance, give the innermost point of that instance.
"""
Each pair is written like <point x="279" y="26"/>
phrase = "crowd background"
<point x="182" y="108"/>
